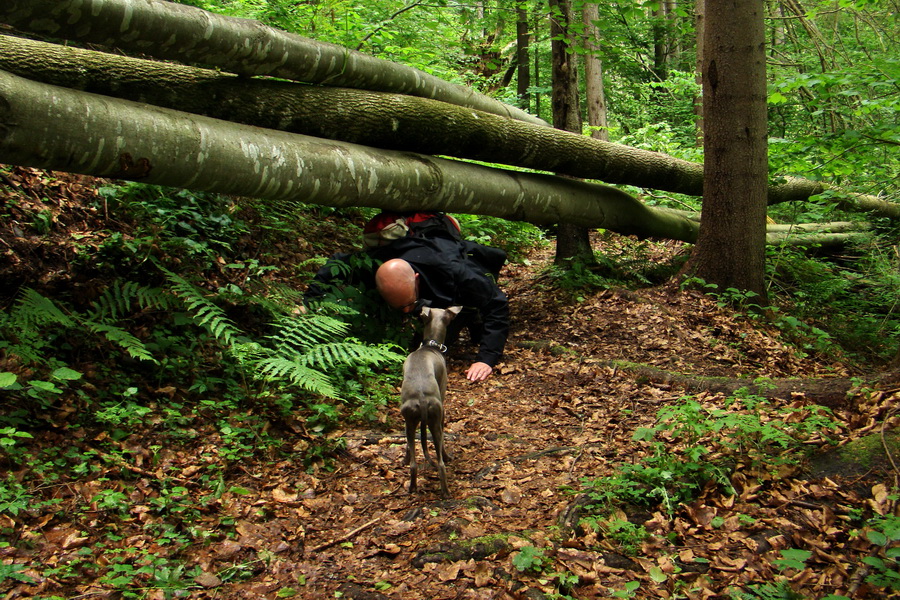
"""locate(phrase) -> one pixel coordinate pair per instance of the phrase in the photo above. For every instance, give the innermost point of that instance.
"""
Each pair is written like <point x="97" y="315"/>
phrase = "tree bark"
<point x="572" y="241"/>
<point x="377" y="119"/>
<point x="593" y="75"/>
<point x="523" y="65"/>
<point x="66" y="130"/>
<point x="174" y="31"/>
<point x="730" y="250"/>
<point x="699" y="24"/>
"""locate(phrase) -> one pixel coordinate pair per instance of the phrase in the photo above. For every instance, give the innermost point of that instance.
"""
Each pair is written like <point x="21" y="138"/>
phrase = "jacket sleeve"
<point x="493" y="306"/>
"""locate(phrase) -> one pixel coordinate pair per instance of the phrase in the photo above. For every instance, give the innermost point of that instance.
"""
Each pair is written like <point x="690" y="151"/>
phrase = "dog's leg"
<point x="443" y="451"/>
<point x="435" y="424"/>
<point x="425" y="453"/>
<point x="411" y="426"/>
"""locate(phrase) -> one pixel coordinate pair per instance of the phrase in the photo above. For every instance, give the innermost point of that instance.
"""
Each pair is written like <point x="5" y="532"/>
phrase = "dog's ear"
<point x="455" y="310"/>
<point x="424" y="312"/>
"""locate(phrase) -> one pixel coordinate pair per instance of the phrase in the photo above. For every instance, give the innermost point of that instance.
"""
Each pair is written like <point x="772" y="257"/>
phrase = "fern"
<point x="299" y="333"/>
<point x="348" y="353"/>
<point x="33" y="310"/>
<point x="298" y="373"/>
<point x="122" y="338"/>
<point x="205" y="313"/>
<point x="116" y="300"/>
<point x="276" y="298"/>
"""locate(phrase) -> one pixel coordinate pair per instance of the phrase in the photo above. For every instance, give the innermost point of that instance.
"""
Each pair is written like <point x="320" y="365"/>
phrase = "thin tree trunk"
<point x="593" y="75"/>
<point x="572" y="241"/>
<point x="699" y="25"/>
<point x="523" y="41"/>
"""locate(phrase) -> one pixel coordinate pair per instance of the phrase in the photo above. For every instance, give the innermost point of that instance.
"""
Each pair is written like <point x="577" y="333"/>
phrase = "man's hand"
<point x="479" y="372"/>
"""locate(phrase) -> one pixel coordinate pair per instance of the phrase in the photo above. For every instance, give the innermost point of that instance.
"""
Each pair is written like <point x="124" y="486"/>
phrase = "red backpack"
<point x="387" y="226"/>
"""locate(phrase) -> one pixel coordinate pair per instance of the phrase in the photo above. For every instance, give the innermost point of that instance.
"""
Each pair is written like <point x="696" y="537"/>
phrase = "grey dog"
<point x="423" y="390"/>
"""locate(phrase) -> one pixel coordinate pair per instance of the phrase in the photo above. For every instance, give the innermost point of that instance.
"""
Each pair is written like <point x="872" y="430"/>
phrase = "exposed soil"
<point x="578" y="380"/>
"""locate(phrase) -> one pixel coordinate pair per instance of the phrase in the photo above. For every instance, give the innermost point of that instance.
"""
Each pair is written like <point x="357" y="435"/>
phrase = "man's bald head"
<point x="396" y="282"/>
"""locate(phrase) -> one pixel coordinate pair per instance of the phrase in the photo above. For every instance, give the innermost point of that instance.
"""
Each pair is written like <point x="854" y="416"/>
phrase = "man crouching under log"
<point x="425" y="262"/>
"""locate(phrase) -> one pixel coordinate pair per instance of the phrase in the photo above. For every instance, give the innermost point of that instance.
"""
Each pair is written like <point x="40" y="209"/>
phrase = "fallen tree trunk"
<point x="182" y="33"/>
<point x="67" y="130"/>
<point x="832" y="393"/>
<point x="375" y="119"/>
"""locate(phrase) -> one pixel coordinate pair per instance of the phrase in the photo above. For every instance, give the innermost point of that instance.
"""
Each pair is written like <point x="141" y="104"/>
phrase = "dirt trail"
<point x="556" y="411"/>
<point x="521" y="441"/>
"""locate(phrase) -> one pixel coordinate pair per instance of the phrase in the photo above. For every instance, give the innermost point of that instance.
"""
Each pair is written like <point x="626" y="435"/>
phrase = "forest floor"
<point x="580" y="378"/>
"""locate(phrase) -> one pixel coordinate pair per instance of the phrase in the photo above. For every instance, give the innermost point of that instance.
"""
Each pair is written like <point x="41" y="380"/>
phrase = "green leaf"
<point x="657" y="575"/>
<point x="66" y="374"/>
<point x="877" y="538"/>
<point x="7" y="379"/>
<point x="643" y="434"/>
<point x="45" y="386"/>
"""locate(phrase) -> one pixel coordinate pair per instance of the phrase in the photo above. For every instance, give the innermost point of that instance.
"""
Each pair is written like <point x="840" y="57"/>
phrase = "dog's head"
<point x="427" y="313"/>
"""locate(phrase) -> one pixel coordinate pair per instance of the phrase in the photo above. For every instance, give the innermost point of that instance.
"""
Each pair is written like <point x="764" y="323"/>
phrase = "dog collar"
<point x="435" y="344"/>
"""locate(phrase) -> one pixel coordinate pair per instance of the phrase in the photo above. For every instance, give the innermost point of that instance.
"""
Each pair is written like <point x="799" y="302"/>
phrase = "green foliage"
<point x="624" y="262"/>
<point x="516" y="238"/>
<point x="883" y="532"/>
<point x="779" y="590"/>
<point x="172" y="222"/>
<point x="627" y="535"/>
<point x="14" y="572"/>
<point x="531" y="560"/>
<point x="709" y="443"/>
<point x="849" y="301"/>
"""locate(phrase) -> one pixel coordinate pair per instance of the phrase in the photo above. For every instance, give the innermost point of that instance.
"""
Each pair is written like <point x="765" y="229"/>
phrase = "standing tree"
<point x="572" y="241"/>
<point x="523" y="41"/>
<point x="730" y="250"/>
<point x="595" y="95"/>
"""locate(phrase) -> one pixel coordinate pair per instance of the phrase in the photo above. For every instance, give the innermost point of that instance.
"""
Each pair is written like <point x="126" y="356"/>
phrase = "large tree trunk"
<point x="375" y="119"/>
<point x="177" y="32"/>
<point x="66" y="130"/>
<point x="730" y="250"/>
<point x="572" y="241"/>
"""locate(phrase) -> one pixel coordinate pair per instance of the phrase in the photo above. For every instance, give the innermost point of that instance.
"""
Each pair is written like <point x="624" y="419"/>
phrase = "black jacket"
<point x="451" y="273"/>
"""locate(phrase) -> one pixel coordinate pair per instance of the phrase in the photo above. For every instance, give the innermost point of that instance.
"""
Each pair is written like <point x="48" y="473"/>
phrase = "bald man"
<point x="428" y="266"/>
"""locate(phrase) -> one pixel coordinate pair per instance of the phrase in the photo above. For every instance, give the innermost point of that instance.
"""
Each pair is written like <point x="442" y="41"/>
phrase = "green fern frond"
<point x="204" y="312"/>
<point x="333" y="308"/>
<point x="296" y="334"/>
<point x="116" y="300"/>
<point x="122" y="338"/>
<point x="277" y="297"/>
<point x="297" y="373"/>
<point x="33" y="310"/>
<point x="348" y="353"/>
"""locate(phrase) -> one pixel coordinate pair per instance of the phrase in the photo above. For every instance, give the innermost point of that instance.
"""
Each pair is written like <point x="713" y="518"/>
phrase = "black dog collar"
<point x="436" y="345"/>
